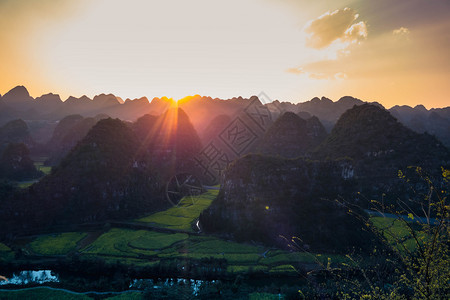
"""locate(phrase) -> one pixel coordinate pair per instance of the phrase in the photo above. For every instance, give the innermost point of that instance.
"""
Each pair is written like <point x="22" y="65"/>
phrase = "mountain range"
<point x="18" y="104"/>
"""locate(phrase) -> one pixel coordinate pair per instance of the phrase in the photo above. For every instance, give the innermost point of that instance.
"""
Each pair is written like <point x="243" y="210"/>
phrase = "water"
<point x="27" y="277"/>
<point x="167" y="283"/>
<point x="45" y="276"/>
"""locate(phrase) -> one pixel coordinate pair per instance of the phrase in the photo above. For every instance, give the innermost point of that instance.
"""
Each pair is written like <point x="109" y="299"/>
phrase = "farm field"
<point x="41" y="167"/>
<point x="150" y="247"/>
<point x="39" y="164"/>
<point x="56" y="244"/>
<point x="181" y="217"/>
<point x="397" y="234"/>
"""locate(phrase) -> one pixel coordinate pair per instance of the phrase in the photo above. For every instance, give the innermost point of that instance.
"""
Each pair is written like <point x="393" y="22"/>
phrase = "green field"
<point x="132" y="243"/>
<point x="25" y="184"/>
<point x="39" y="164"/>
<point x="41" y="167"/>
<point x="182" y="216"/>
<point x="150" y="247"/>
<point x="397" y="233"/>
<point x="56" y="244"/>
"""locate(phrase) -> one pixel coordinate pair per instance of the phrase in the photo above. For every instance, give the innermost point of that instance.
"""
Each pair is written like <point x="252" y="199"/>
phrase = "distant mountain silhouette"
<point x="144" y="127"/>
<point x="15" y="131"/>
<point x="419" y="119"/>
<point x="48" y="102"/>
<point x="215" y="127"/>
<point x="173" y="141"/>
<point x="67" y="134"/>
<point x="17" y="103"/>
<point x="326" y="110"/>
<point x="291" y="136"/>
<point x="18" y="98"/>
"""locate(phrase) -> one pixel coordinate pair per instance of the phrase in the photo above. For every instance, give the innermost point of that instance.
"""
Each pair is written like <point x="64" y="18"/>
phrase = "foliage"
<point x="420" y="246"/>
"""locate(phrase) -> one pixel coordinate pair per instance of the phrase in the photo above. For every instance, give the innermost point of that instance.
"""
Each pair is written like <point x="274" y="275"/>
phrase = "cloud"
<point x="296" y="71"/>
<point x="333" y="26"/>
<point x="401" y="33"/>
<point x="320" y="72"/>
<point x="328" y="75"/>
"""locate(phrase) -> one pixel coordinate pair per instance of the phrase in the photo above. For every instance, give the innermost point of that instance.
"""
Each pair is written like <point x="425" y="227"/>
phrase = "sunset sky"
<point x="393" y="52"/>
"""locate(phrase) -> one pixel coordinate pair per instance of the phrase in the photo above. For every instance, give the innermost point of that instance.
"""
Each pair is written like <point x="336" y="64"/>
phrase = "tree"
<point x="420" y="242"/>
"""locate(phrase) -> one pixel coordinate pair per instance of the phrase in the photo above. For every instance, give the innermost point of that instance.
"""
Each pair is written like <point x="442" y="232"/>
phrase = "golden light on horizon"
<point x="291" y="50"/>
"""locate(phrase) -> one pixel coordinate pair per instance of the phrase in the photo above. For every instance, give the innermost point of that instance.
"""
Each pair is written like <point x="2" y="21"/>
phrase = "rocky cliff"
<point x="263" y="198"/>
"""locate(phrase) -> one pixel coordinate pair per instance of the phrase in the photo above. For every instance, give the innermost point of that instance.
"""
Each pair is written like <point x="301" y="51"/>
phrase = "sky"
<point x="393" y="52"/>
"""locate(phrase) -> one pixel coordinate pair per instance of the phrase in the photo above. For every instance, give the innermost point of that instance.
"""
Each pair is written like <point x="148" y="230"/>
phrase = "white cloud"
<point x="296" y="71"/>
<point x="335" y="26"/>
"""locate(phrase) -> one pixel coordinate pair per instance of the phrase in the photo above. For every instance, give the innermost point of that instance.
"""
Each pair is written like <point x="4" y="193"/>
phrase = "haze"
<point x="393" y="52"/>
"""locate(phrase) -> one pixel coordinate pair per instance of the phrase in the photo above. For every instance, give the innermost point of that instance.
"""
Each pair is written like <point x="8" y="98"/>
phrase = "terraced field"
<point x="150" y="247"/>
<point x="56" y="244"/>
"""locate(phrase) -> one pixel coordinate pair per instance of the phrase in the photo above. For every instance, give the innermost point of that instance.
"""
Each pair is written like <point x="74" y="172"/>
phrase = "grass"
<point x="57" y="244"/>
<point x="181" y="217"/>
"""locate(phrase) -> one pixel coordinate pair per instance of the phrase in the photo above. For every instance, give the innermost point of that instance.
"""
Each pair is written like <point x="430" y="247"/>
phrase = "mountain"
<point x="215" y="127"/>
<point x="379" y="146"/>
<point x="16" y="131"/>
<point x="435" y="121"/>
<point x="17" y="103"/>
<point x="18" y="98"/>
<point x="16" y="164"/>
<point x="173" y="141"/>
<point x="326" y="110"/>
<point x="203" y="110"/>
<point x="48" y="103"/>
<point x="291" y="136"/>
<point x="99" y="179"/>
<point x="67" y="134"/>
<point x="132" y="109"/>
<point x="266" y="198"/>
<point x="367" y="130"/>
<point x="144" y="127"/>
<point x="315" y="130"/>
